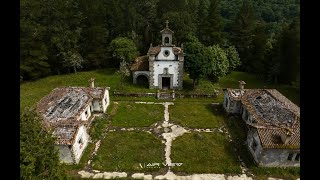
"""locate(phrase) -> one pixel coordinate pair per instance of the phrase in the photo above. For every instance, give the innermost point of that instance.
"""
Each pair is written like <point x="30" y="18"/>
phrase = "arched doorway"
<point x="142" y="80"/>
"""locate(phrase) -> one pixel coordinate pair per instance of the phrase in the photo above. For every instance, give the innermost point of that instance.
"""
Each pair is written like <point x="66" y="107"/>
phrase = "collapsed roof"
<point x="61" y="110"/>
<point x="273" y="115"/>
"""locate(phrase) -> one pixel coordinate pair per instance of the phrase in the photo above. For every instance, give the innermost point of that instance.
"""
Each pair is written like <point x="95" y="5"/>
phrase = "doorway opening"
<point x="166" y="83"/>
<point x="142" y="81"/>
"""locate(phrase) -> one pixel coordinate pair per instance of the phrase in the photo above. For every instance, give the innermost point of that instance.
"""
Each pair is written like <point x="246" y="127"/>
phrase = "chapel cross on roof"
<point x="167" y="22"/>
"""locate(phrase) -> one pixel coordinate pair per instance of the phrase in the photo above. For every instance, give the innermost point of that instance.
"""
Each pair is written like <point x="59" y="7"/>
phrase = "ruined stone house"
<point x="68" y="113"/>
<point x="162" y="67"/>
<point x="273" y="124"/>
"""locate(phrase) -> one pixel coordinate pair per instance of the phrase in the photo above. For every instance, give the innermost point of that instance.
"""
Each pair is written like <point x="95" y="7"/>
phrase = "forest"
<point x="59" y="37"/>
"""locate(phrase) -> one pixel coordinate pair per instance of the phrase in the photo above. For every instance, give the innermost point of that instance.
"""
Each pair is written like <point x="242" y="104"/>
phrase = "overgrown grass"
<point x="97" y="127"/>
<point x="124" y="151"/>
<point x="204" y="153"/>
<point x="238" y="133"/>
<point x="137" y="115"/>
<point x="196" y="115"/>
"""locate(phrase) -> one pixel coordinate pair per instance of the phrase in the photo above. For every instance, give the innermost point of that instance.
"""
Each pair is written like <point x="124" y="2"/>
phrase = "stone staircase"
<point x="166" y="95"/>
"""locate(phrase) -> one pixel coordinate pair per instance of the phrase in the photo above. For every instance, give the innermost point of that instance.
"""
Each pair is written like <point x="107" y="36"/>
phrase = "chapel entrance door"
<point x="165" y="82"/>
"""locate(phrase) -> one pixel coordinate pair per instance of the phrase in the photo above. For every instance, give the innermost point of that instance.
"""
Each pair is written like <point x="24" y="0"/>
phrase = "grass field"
<point x="196" y="115"/>
<point x="204" y="153"/>
<point x="124" y="151"/>
<point x="137" y="115"/>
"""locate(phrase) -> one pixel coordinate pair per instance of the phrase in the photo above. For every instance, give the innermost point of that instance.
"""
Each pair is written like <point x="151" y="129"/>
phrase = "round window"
<point x="166" y="53"/>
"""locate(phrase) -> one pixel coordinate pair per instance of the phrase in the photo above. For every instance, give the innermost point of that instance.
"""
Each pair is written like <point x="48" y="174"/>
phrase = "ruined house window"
<point x="297" y="157"/>
<point x="80" y="143"/>
<point x="254" y="145"/>
<point x="226" y="102"/>
<point x="290" y="156"/>
<point x="246" y="115"/>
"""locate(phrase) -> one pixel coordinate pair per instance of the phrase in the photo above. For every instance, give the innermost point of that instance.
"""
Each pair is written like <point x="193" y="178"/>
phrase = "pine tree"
<point x="202" y="14"/>
<point x="256" y="60"/>
<point x="241" y="34"/>
<point x="33" y="49"/>
<point x="290" y="53"/>
<point x="38" y="157"/>
<point x="214" y="25"/>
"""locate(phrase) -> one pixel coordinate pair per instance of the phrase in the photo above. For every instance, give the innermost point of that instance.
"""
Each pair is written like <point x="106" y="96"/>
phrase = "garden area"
<point x="200" y="152"/>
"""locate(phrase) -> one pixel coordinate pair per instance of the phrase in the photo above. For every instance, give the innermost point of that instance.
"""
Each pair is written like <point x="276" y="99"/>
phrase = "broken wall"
<point x="78" y="148"/>
<point x="65" y="155"/>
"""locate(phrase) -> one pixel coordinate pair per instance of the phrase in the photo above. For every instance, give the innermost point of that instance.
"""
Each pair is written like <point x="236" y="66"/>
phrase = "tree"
<point x="38" y="157"/>
<point x="73" y="59"/>
<point x="64" y="22"/>
<point x="202" y="14"/>
<point x="123" y="49"/>
<point x="214" y="25"/>
<point x="290" y="53"/>
<point x="182" y="24"/>
<point x="33" y="49"/>
<point x="218" y="64"/>
<point x="123" y="71"/>
<point x="233" y="58"/>
<point x="94" y="36"/>
<point x="195" y="60"/>
<point x="241" y="34"/>
<point x="272" y="52"/>
<point x="256" y="61"/>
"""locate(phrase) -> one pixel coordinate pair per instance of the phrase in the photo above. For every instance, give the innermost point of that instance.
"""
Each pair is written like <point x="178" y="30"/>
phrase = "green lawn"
<point x="124" y="151"/>
<point x="196" y="115"/>
<point x="137" y="115"/>
<point x="204" y="153"/>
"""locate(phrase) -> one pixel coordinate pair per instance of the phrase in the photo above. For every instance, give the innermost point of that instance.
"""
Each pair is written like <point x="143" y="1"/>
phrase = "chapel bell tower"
<point x="166" y="35"/>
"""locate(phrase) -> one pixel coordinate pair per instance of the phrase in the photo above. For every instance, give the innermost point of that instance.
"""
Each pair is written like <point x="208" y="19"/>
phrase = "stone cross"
<point x="167" y="22"/>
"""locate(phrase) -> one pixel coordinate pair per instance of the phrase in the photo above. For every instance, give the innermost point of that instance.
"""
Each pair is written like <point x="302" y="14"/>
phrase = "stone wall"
<point x="231" y="106"/>
<point x="78" y="148"/>
<point x="151" y="72"/>
<point x="176" y="95"/>
<point x="270" y="157"/>
<point x="65" y="155"/>
<point x="180" y="72"/>
<point x="136" y="74"/>
<point x="252" y="138"/>
<point x="279" y="158"/>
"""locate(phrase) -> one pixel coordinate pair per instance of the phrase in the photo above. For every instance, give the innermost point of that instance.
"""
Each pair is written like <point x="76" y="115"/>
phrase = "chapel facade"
<point x="163" y="65"/>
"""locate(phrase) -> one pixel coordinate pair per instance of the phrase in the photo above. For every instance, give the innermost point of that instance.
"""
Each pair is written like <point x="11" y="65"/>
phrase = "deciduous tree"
<point x="123" y="49"/>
